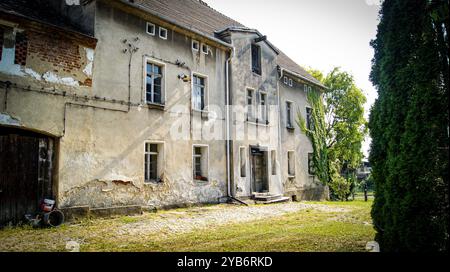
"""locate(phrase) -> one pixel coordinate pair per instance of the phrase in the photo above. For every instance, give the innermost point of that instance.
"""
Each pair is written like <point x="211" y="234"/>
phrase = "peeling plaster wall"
<point x="304" y="185"/>
<point x="263" y="135"/>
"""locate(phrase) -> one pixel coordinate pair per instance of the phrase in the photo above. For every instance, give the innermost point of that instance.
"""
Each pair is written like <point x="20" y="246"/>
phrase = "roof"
<point x="37" y="10"/>
<point x="199" y="16"/>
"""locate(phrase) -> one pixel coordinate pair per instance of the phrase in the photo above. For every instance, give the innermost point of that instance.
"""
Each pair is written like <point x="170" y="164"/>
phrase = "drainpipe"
<point x="227" y="84"/>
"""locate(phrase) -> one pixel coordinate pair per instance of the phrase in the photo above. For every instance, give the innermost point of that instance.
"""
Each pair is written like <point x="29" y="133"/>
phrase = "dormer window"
<point x="151" y="29"/>
<point x="163" y="33"/>
<point x="195" y="45"/>
<point x="256" y="59"/>
<point x="205" y="49"/>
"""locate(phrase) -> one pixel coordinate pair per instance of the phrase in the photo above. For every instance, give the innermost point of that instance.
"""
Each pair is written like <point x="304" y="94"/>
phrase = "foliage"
<point x="409" y="126"/>
<point x="345" y="129"/>
<point x="317" y="135"/>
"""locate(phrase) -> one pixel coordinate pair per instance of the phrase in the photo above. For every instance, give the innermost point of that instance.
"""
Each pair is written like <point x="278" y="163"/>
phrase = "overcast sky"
<point x="321" y="34"/>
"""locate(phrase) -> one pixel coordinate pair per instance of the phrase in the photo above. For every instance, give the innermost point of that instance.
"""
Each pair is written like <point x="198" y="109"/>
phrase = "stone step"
<point x="266" y="197"/>
<point x="276" y="200"/>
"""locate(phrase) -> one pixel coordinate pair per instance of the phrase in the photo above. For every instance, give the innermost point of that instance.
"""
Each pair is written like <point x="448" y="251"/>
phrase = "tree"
<point x="345" y="129"/>
<point x="409" y="126"/>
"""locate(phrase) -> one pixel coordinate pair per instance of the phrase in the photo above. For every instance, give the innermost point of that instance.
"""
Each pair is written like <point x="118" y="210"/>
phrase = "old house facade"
<point x="127" y="104"/>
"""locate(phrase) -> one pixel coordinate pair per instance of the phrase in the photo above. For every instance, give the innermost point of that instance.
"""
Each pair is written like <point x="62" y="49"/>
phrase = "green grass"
<point x="306" y="230"/>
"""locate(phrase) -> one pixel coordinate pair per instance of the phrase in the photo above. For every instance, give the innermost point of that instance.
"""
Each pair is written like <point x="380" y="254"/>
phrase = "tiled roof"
<point x="197" y="15"/>
<point x="37" y="10"/>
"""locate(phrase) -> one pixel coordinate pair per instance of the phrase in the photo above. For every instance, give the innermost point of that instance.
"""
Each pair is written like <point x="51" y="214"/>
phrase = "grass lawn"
<point x="331" y="227"/>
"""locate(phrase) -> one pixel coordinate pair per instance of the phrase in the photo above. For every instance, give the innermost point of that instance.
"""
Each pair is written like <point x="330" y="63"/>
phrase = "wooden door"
<point x="25" y="175"/>
<point x="259" y="173"/>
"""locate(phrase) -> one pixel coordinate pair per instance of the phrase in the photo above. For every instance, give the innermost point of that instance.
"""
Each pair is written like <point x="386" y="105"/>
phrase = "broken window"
<point x="309" y="121"/>
<point x="291" y="163"/>
<point x="263" y="107"/>
<point x="153" y="162"/>
<point x="200" y="161"/>
<point x="250" y="105"/>
<point x="151" y="29"/>
<point x="311" y="164"/>
<point x="154" y="83"/>
<point x="289" y="115"/>
<point x="243" y="162"/>
<point x="256" y="59"/>
<point x="163" y="33"/>
<point x="199" y="92"/>
<point x="273" y="156"/>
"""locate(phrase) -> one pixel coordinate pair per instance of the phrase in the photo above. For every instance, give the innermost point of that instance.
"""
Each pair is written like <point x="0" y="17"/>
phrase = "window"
<point x="311" y="164"/>
<point x="205" y="49"/>
<point x="154" y="83"/>
<point x="199" y="92"/>
<point x="291" y="163"/>
<point x="286" y="80"/>
<point x="289" y="115"/>
<point x="273" y="157"/>
<point x="291" y="82"/>
<point x="163" y="33"/>
<point x="263" y="107"/>
<point x="243" y="161"/>
<point x="307" y="88"/>
<point x="153" y="162"/>
<point x="256" y="59"/>
<point x="195" y="45"/>
<point x="309" y="121"/>
<point x="200" y="163"/>
<point x="250" y="104"/>
<point x="151" y="29"/>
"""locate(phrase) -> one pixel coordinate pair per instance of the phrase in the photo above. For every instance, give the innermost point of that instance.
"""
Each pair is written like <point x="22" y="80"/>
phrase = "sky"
<point x="321" y="34"/>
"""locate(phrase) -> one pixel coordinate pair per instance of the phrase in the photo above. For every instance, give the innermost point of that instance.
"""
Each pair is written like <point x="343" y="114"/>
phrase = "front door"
<point x="259" y="171"/>
<point x="25" y="174"/>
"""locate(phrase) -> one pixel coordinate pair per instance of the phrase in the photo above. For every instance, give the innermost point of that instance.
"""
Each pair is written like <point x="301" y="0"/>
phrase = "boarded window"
<point x="243" y="162"/>
<point x="291" y="163"/>
<point x="153" y="162"/>
<point x="311" y="169"/>
<point x="199" y="89"/>
<point x="200" y="163"/>
<point x="256" y="59"/>
<point x="154" y="82"/>
<point x="273" y="156"/>
<point x="289" y="115"/>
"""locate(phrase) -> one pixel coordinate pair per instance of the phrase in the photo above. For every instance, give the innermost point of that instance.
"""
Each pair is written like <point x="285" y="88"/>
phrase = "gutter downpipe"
<point x="227" y="78"/>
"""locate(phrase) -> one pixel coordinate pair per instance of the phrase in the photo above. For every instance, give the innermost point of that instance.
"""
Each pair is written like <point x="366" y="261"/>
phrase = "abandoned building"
<point x="126" y="105"/>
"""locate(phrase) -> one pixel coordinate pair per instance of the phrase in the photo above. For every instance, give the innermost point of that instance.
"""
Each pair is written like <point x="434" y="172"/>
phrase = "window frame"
<point x="285" y="80"/>
<point x="203" y="47"/>
<point x="163" y="29"/>
<point x="198" y="45"/>
<point x="311" y="171"/>
<point x="154" y="29"/>
<point x="148" y="60"/>
<point x="161" y="165"/>
<point x="291" y="175"/>
<point x="193" y="170"/>
<point x="254" y="111"/>
<point x="291" y="82"/>
<point x="206" y="91"/>
<point x="259" y="60"/>
<point x="290" y="115"/>
<point x="266" y="107"/>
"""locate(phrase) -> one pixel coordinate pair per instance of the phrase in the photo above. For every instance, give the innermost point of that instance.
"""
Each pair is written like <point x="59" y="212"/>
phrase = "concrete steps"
<point x="266" y="198"/>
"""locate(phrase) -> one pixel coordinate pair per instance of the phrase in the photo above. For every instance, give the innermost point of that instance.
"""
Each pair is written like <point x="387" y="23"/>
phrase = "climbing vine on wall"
<point x="317" y="134"/>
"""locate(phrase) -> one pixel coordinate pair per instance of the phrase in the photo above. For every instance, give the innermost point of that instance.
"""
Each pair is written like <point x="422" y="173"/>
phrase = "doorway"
<point x="26" y="170"/>
<point x="259" y="171"/>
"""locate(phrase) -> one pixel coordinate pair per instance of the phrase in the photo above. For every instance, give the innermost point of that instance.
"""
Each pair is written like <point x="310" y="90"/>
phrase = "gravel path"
<point x="204" y="217"/>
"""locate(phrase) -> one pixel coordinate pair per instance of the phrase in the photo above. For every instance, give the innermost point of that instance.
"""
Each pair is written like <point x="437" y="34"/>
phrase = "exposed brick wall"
<point x="2" y="32"/>
<point x="56" y="50"/>
<point x="21" y="49"/>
